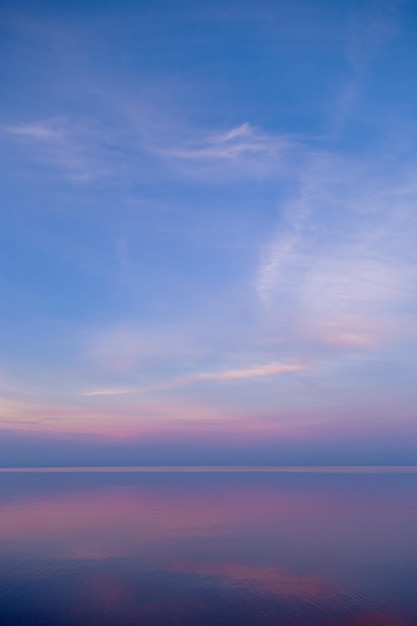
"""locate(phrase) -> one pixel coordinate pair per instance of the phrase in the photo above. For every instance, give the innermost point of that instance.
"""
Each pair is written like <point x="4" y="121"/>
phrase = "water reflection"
<point x="208" y="549"/>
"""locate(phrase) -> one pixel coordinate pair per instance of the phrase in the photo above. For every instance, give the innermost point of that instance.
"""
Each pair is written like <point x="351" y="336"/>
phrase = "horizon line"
<point x="218" y="468"/>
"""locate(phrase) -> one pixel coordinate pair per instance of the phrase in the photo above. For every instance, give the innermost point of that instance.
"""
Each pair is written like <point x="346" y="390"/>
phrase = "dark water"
<point x="200" y="549"/>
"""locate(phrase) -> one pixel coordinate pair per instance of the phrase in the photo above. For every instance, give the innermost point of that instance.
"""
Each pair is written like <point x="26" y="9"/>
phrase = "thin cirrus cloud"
<point x="36" y="130"/>
<point x="270" y="369"/>
<point x="349" y="277"/>
<point x="44" y="417"/>
<point x="60" y="144"/>
<point x="236" y="153"/>
<point x="89" y="150"/>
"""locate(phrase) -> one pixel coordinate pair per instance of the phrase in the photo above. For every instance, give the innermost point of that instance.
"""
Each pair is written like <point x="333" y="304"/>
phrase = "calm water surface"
<point x="200" y="549"/>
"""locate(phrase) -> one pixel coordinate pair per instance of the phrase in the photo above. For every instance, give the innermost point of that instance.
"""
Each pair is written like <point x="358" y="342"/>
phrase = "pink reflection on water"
<point x="136" y="515"/>
<point x="273" y="579"/>
<point x="312" y="539"/>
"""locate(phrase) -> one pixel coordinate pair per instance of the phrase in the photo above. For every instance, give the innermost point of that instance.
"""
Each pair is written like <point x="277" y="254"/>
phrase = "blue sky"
<point x="208" y="232"/>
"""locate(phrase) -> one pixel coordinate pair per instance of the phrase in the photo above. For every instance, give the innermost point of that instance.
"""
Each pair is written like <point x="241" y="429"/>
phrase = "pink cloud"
<point x="261" y="371"/>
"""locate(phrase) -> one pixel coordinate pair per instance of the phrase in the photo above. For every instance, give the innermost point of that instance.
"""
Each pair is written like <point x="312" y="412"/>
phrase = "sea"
<point x="208" y="546"/>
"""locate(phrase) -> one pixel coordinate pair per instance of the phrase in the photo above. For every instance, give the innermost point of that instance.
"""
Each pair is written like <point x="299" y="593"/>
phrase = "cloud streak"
<point x="236" y="153"/>
<point x="343" y="257"/>
<point x="62" y="143"/>
<point x="262" y="371"/>
<point x="86" y="150"/>
<point x="271" y="369"/>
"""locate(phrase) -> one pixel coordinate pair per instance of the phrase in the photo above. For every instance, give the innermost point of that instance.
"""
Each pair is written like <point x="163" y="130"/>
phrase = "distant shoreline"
<point x="314" y="469"/>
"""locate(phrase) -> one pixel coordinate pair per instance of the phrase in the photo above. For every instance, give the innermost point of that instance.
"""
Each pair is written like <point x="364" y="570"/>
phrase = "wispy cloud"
<point x="368" y="32"/>
<point x="42" y="131"/>
<point x="270" y="369"/>
<point x="85" y="417"/>
<point x="69" y="145"/>
<point x="87" y="150"/>
<point x="239" y="152"/>
<point x="117" y="391"/>
<point x="343" y="258"/>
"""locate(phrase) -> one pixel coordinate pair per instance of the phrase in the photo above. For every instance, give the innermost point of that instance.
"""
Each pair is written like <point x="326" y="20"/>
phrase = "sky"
<point x="208" y="232"/>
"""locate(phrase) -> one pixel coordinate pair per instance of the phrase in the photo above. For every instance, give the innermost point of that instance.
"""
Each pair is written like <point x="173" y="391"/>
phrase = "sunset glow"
<point x="209" y="233"/>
